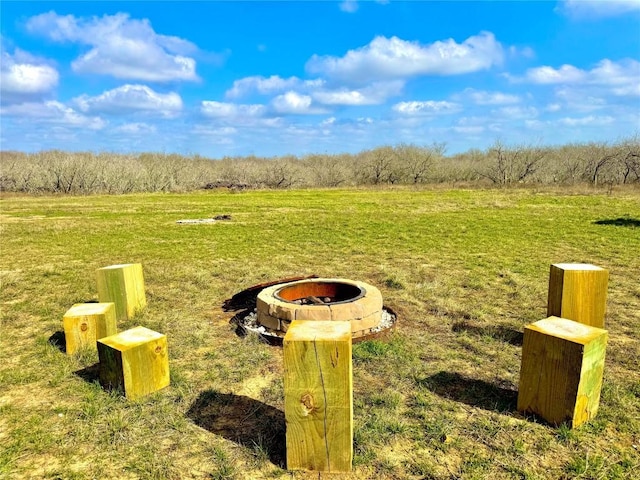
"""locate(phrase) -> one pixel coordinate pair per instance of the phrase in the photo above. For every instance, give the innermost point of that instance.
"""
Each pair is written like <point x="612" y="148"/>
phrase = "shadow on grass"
<point x="89" y="374"/>
<point x="248" y="422"/>
<point x="476" y="393"/>
<point x="620" y="222"/>
<point x="499" y="332"/>
<point x="59" y="340"/>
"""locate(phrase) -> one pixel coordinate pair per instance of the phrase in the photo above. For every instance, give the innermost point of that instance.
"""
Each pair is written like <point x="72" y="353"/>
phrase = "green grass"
<point x="464" y="270"/>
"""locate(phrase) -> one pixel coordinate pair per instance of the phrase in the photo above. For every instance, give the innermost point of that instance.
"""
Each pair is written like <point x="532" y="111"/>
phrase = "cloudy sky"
<point x="274" y="78"/>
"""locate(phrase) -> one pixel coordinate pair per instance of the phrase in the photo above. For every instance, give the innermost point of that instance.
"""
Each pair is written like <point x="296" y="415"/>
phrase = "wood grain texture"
<point x="561" y="371"/>
<point x="84" y="323"/>
<point x="135" y="362"/>
<point x="318" y="396"/>
<point x="578" y="291"/>
<point x="124" y="286"/>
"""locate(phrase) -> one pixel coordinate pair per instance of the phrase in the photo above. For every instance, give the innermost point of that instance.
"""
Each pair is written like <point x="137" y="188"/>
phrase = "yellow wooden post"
<point x="124" y="286"/>
<point x="135" y="362"/>
<point x="561" y="370"/>
<point x="578" y="291"/>
<point x="84" y="323"/>
<point x="318" y="396"/>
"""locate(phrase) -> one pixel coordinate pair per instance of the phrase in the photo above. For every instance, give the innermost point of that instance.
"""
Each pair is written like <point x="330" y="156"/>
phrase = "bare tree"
<point x="376" y="165"/>
<point x="512" y="165"/>
<point x="598" y="157"/>
<point x="280" y="173"/>
<point x="327" y="170"/>
<point x="418" y="161"/>
<point x="630" y="159"/>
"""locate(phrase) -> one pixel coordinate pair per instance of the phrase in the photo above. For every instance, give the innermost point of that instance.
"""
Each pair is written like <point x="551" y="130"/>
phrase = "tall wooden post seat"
<point x="124" y="286"/>
<point x="318" y="396"/>
<point x="578" y="292"/>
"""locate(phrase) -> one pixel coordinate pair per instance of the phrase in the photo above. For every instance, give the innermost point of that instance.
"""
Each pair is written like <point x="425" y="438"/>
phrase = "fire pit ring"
<point x="320" y="299"/>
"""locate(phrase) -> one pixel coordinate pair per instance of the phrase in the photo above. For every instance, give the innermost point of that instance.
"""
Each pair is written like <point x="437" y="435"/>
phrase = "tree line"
<point x="54" y="171"/>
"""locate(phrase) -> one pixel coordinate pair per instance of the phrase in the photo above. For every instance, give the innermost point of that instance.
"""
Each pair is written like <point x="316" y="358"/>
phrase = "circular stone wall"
<point x="329" y="299"/>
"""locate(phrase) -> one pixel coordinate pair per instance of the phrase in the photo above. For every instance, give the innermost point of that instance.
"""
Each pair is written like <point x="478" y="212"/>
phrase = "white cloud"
<point x="579" y="99"/>
<point x="120" y="46"/>
<point x="135" y="128"/>
<point x="365" y="120"/>
<point x="349" y="6"/>
<point x="269" y="85"/>
<point x="374" y="94"/>
<point x="294" y="103"/>
<point x="53" y="112"/>
<point x="550" y="75"/>
<point x="516" y="112"/>
<point x="620" y="77"/>
<point x="343" y="96"/>
<point x="131" y="98"/>
<point x="623" y="74"/>
<point x="525" y="52"/>
<point x="583" y="9"/>
<point x="469" y="130"/>
<point x="630" y="90"/>
<point x="24" y="77"/>
<point x="606" y="78"/>
<point x="480" y="97"/>
<point x="426" y="108"/>
<point x="215" y="131"/>
<point x="590" y="120"/>
<point x="477" y="124"/>
<point x="535" y="124"/>
<point x="231" y="110"/>
<point x="386" y="58"/>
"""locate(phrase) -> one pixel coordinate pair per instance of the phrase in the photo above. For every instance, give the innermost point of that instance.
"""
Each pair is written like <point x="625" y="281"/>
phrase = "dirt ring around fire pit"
<point x="320" y="299"/>
<point x="247" y="321"/>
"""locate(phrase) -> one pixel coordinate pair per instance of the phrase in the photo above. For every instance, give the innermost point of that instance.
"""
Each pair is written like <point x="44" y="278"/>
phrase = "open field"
<point x="464" y="269"/>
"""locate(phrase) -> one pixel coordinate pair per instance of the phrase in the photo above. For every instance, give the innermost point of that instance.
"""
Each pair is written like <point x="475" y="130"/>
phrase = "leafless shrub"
<point x="595" y="164"/>
<point x="512" y="164"/>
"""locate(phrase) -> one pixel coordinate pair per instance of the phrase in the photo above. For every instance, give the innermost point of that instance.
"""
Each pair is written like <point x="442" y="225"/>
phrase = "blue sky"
<point x="275" y="78"/>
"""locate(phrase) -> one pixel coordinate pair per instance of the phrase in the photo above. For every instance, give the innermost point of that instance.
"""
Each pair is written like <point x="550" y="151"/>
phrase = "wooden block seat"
<point x="578" y="292"/>
<point x="318" y="396"/>
<point x="123" y="285"/>
<point x="561" y="370"/>
<point x="135" y="361"/>
<point x="85" y="323"/>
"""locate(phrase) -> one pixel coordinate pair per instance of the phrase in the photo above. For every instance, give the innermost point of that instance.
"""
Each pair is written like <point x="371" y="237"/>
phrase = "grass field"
<point x="464" y="269"/>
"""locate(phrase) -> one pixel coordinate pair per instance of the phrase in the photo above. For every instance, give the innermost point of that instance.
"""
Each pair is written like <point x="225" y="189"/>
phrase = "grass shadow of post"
<point x="90" y="374"/>
<point x="499" y="332"/>
<point x="625" y="221"/>
<point x="59" y="340"/>
<point x="474" y="392"/>
<point x="248" y="422"/>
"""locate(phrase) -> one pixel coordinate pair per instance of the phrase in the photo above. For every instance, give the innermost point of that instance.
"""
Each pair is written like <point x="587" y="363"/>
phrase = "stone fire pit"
<point x="320" y="299"/>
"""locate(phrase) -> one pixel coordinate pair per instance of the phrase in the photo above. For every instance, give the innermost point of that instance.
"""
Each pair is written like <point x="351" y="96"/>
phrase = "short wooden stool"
<point x="578" y="291"/>
<point x="561" y="371"/>
<point x="84" y="323"/>
<point x="124" y="286"/>
<point x="135" y="362"/>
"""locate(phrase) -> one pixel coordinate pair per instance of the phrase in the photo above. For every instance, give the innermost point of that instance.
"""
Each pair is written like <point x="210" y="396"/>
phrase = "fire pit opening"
<point x="319" y="292"/>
